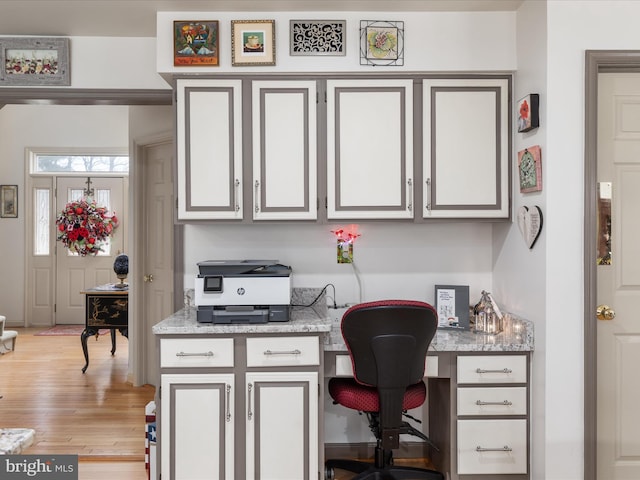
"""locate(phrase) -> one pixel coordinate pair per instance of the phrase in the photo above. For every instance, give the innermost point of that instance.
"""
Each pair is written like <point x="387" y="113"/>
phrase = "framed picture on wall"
<point x="8" y="201"/>
<point x="528" y="113"/>
<point x="34" y="61"/>
<point x="253" y="42"/>
<point x="530" y="169"/>
<point x="381" y="43"/>
<point x="317" y="37"/>
<point x="195" y="43"/>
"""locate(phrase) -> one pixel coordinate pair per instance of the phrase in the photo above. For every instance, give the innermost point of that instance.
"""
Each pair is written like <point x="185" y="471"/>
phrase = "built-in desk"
<point x="256" y="393"/>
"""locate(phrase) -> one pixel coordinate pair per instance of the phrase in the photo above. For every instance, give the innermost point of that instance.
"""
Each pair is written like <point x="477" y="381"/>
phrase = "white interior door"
<point x="618" y="357"/>
<point x="157" y="238"/>
<point x="73" y="272"/>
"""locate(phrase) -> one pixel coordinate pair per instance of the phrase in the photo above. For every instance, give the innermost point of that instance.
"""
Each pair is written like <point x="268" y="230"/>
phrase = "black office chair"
<point x="387" y="342"/>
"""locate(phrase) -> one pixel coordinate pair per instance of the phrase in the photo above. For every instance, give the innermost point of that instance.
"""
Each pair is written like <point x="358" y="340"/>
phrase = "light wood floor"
<point x="96" y="415"/>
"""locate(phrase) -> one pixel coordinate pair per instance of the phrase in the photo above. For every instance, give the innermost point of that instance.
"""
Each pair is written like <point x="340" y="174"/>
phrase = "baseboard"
<point x="365" y="450"/>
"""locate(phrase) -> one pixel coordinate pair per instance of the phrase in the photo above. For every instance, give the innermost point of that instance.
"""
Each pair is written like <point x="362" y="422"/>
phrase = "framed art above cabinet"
<point x="466" y="131"/>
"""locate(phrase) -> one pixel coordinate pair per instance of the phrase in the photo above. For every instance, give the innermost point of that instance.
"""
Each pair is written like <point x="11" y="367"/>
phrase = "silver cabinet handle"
<point x="257" y="196"/>
<point x="428" y="182"/>
<point x="505" y="403"/>
<point x="228" y="403"/>
<point x="506" y="448"/>
<point x="504" y="370"/>
<point x="249" y="412"/>
<point x="284" y="352"/>
<point x="410" y="193"/>
<point x="236" y="184"/>
<point x="201" y="354"/>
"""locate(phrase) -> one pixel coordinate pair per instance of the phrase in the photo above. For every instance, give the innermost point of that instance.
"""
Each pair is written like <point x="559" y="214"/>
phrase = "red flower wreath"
<point x="83" y="227"/>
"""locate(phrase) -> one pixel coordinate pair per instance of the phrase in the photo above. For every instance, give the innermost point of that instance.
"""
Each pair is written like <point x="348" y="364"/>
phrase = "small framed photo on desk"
<point x="452" y="306"/>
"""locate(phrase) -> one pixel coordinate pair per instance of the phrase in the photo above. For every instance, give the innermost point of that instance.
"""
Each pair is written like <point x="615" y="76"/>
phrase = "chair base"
<point x="368" y="471"/>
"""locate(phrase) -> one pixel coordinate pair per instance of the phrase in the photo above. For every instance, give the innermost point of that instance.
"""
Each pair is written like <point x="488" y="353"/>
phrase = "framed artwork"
<point x="253" y="42"/>
<point x="528" y="113"/>
<point x="195" y="43"/>
<point x="317" y="37"/>
<point x="381" y="43"/>
<point x="8" y="201"/>
<point x="34" y="61"/>
<point x="530" y="169"/>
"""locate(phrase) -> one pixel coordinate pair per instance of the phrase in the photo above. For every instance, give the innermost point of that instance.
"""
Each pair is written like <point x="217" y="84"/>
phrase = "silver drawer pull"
<point x="203" y="354"/>
<point x="504" y="402"/>
<point x="506" y="448"/>
<point x="228" y="403"/>
<point x="504" y="370"/>
<point x="284" y="352"/>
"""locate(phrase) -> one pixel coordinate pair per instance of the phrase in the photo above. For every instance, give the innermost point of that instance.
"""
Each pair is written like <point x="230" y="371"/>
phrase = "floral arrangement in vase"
<point x="83" y="227"/>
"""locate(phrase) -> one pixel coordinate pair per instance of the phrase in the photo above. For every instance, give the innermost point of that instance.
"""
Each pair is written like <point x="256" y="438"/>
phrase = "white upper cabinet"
<point x="466" y="131"/>
<point x="284" y="125"/>
<point x="209" y="149"/>
<point x="370" y="149"/>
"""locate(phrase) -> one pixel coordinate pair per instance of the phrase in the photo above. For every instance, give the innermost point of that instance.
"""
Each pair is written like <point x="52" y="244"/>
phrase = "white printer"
<point x="243" y="291"/>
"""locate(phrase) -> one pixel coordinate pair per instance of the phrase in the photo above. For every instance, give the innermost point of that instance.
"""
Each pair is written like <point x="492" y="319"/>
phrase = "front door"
<point x="618" y="277"/>
<point x="75" y="273"/>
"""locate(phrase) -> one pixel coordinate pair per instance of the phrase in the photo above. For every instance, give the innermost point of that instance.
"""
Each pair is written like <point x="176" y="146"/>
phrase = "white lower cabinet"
<point x="492" y="415"/>
<point x="492" y="446"/>
<point x="243" y="406"/>
<point x="197" y="426"/>
<point x="282" y="425"/>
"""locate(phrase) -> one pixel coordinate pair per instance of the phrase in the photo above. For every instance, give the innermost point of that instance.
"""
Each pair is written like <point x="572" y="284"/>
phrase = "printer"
<point x="242" y="291"/>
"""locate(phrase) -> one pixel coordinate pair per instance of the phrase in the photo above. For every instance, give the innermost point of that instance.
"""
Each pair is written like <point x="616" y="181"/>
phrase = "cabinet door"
<point x="282" y="425"/>
<point x="209" y="149"/>
<point x="369" y="149"/>
<point x="284" y="150"/>
<point x="196" y="429"/>
<point x="466" y="155"/>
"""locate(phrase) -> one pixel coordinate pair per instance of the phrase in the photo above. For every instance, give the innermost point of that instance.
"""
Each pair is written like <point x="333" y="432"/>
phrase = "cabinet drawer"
<point x="344" y="367"/>
<point x="492" y="401"/>
<point x="196" y="352"/>
<point x="492" y="446"/>
<point x="283" y="351"/>
<point x="492" y="369"/>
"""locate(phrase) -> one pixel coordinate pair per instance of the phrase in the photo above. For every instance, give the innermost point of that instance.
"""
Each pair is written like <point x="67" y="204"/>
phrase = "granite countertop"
<point x="309" y="313"/>
<point x="517" y="337"/>
<point x="303" y="319"/>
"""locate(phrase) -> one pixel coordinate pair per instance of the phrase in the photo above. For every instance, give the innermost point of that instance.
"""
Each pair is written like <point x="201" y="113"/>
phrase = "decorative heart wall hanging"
<point x="530" y="224"/>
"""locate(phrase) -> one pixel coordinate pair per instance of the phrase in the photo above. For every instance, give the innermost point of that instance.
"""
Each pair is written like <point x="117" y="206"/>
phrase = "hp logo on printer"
<point x="241" y="291"/>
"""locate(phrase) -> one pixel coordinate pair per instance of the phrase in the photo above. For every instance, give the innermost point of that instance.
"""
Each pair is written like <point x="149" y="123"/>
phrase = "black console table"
<point x="106" y="307"/>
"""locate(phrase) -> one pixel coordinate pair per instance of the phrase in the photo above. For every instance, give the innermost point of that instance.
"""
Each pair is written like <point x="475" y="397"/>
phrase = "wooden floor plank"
<point x="95" y="415"/>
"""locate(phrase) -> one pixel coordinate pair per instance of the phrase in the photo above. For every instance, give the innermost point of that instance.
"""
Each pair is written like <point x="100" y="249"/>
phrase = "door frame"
<point x="129" y="97"/>
<point x="596" y="62"/>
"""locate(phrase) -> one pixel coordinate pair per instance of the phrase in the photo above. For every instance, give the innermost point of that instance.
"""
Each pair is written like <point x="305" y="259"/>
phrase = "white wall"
<point x="394" y="260"/>
<point x="434" y="41"/>
<point x="519" y="272"/>
<point x="23" y="126"/>
<point x="573" y="27"/>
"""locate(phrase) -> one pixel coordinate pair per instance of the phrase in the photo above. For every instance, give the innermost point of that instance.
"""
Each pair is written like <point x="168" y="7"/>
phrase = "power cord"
<point x="320" y="295"/>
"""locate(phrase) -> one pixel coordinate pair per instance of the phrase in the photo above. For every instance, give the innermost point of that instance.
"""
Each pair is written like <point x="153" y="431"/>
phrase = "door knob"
<point x="605" y="312"/>
<point x="148" y="278"/>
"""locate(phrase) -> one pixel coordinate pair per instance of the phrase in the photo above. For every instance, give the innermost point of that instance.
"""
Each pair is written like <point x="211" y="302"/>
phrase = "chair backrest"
<point x="388" y="341"/>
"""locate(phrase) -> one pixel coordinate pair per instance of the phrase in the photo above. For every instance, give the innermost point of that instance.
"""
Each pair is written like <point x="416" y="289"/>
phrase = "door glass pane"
<point x="42" y="221"/>
<point x="80" y="163"/>
<point x="604" y="223"/>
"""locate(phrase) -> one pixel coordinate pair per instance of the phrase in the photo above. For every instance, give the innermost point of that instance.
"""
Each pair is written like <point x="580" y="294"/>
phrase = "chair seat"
<point x="351" y="394"/>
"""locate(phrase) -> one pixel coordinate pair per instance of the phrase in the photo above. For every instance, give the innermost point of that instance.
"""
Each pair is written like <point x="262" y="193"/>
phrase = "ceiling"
<point x="137" y="18"/>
